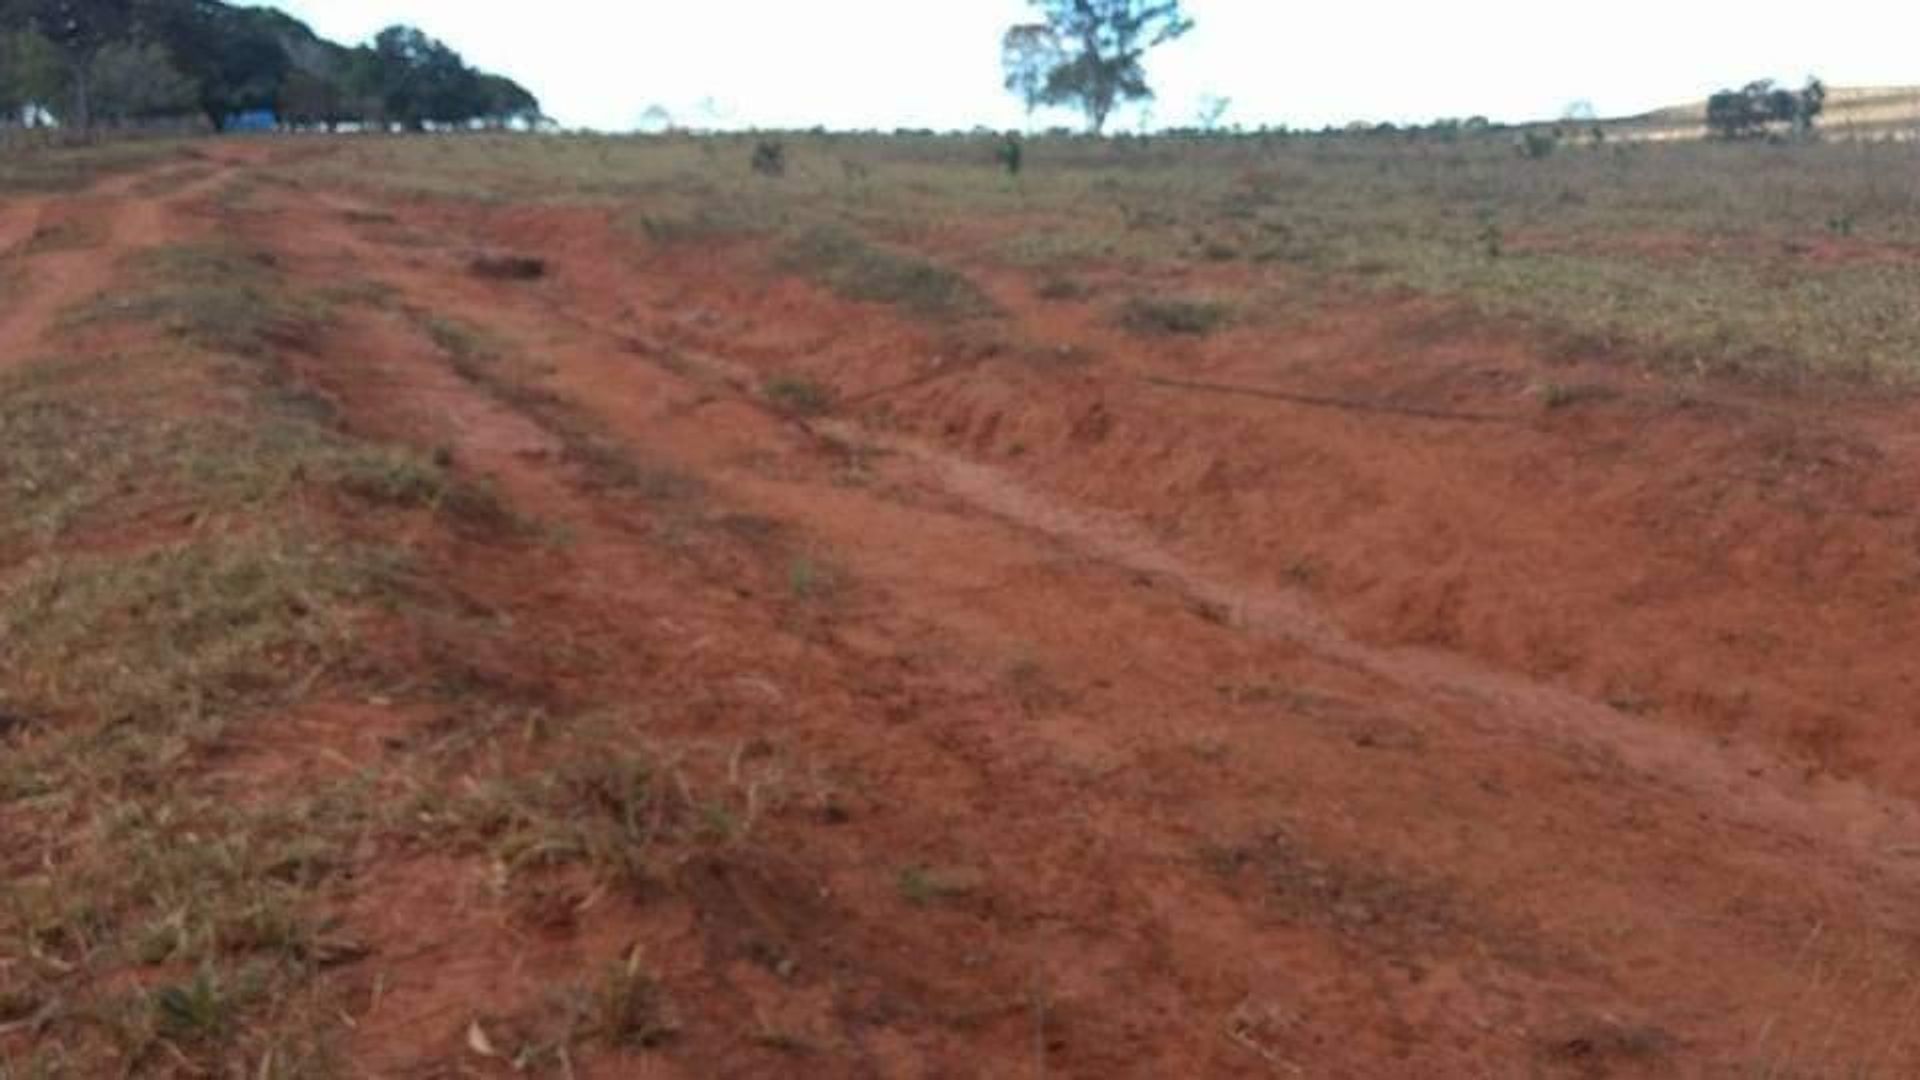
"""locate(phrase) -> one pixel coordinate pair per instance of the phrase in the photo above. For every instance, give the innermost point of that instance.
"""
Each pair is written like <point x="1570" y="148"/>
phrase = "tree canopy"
<point x="1757" y="108"/>
<point x="1029" y="55"/>
<point x="119" y="60"/>
<point x="1093" y="53"/>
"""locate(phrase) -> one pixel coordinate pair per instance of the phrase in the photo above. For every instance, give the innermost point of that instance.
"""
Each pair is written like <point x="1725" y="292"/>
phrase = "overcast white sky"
<point x="935" y="63"/>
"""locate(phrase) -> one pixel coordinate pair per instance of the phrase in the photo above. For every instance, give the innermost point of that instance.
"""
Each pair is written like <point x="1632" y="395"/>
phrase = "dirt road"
<point x="1171" y="734"/>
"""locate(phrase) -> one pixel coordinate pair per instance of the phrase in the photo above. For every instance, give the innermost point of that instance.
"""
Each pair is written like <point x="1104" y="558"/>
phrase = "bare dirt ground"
<point x="1396" y="728"/>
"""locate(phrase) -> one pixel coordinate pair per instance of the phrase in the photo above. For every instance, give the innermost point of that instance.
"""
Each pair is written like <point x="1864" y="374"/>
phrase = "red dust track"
<point x="1259" y="741"/>
<point x="91" y="234"/>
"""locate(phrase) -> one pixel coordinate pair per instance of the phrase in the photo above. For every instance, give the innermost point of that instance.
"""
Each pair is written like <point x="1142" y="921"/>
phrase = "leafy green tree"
<point x="312" y="100"/>
<point x="235" y="56"/>
<point x="1105" y="45"/>
<point x="234" y="59"/>
<point x="1029" y="55"/>
<point x="505" y="102"/>
<point x="421" y="80"/>
<point x="1753" y="109"/>
<point x="32" y="74"/>
<point x="137" y="81"/>
<point x="1813" y="102"/>
<point x="77" y="30"/>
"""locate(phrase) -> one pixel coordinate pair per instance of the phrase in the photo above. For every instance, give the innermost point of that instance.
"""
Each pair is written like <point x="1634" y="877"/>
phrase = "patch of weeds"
<point x="184" y="629"/>
<point x="367" y="293"/>
<point x="770" y="158"/>
<point x="605" y="812"/>
<point x="185" y="882"/>
<point x="588" y="797"/>
<point x="58" y="169"/>
<point x="202" y="1010"/>
<point x="61" y="236"/>
<point x="1148" y="315"/>
<point x="630" y="1008"/>
<point x="924" y="886"/>
<point x="705" y="225"/>
<point x="465" y="344"/>
<point x="1261" y="692"/>
<point x="395" y="476"/>
<point x="810" y="579"/>
<point x="858" y="270"/>
<point x="1556" y="396"/>
<point x="797" y="396"/>
<point x="1344" y="892"/>
<point x="218" y="297"/>
<point x="1059" y="288"/>
<point x="786" y="1042"/>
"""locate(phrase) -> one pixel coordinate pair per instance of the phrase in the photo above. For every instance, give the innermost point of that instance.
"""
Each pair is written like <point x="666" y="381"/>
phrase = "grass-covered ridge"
<point x="1771" y="260"/>
<point x="175" y="580"/>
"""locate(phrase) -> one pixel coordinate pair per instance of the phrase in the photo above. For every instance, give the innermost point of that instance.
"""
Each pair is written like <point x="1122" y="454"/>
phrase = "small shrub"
<point x="1174" y="316"/>
<point x="631" y="1009"/>
<point x="204" y="1010"/>
<point x="1557" y="396"/>
<point x="1539" y="145"/>
<point x="1492" y="240"/>
<point x="809" y="579"/>
<point x="1012" y="155"/>
<point x="923" y="886"/>
<point x="507" y="267"/>
<point x="797" y="396"/>
<point x="1060" y="288"/>
<point x="770" y="159"/>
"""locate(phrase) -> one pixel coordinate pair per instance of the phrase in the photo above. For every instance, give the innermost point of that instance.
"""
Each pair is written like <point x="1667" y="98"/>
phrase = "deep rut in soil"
<point x="1216" y="828"/>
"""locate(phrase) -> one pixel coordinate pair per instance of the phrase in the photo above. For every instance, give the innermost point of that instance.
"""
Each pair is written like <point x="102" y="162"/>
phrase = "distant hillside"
<point x="1861" y="112"/>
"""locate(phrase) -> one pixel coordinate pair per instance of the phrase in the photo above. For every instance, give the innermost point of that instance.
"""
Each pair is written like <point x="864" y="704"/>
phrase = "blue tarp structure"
<point x="252" y="120"/>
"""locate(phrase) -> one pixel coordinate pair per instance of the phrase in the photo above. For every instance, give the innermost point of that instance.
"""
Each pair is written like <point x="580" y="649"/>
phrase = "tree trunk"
<point x="83" y="97"/>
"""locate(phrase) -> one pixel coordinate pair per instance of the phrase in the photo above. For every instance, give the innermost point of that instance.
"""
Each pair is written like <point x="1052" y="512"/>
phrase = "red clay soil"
<point x="87" y="236"/>
<point x="1172" y="731"/>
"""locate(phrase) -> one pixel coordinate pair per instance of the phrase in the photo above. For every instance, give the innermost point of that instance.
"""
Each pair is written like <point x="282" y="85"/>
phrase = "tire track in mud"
<point x="1007" y="547"/>
<point x="1510" y="706"/>
<point x="397" y="385"/>
<point x="114" y="221"/>
<point x="1881" y="830"/>
<point x="1517" y="707"/>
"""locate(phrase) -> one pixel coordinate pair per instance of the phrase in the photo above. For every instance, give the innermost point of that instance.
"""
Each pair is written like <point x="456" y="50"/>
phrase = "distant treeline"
<point x="80" y="63"/>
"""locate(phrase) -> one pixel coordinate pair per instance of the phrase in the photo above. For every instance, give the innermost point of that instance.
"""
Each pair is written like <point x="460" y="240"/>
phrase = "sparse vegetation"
<point x="1061" y="288"/>
<point x="51" y="169"/>
<point x="798" y="396"/>
<point x="630" y="1008"/>
<point x="924" y="886"/>
<point x="1154" y="315"/>
<point x="823" y="737"/>
<point x="132" y="664"/>
<point x="859" y="270"/>
<point x="770" y="159"/>
<point x="1644" y="248"/>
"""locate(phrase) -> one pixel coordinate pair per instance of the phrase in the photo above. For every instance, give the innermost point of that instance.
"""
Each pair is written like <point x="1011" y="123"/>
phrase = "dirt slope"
<point x="1127" y="729"/>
